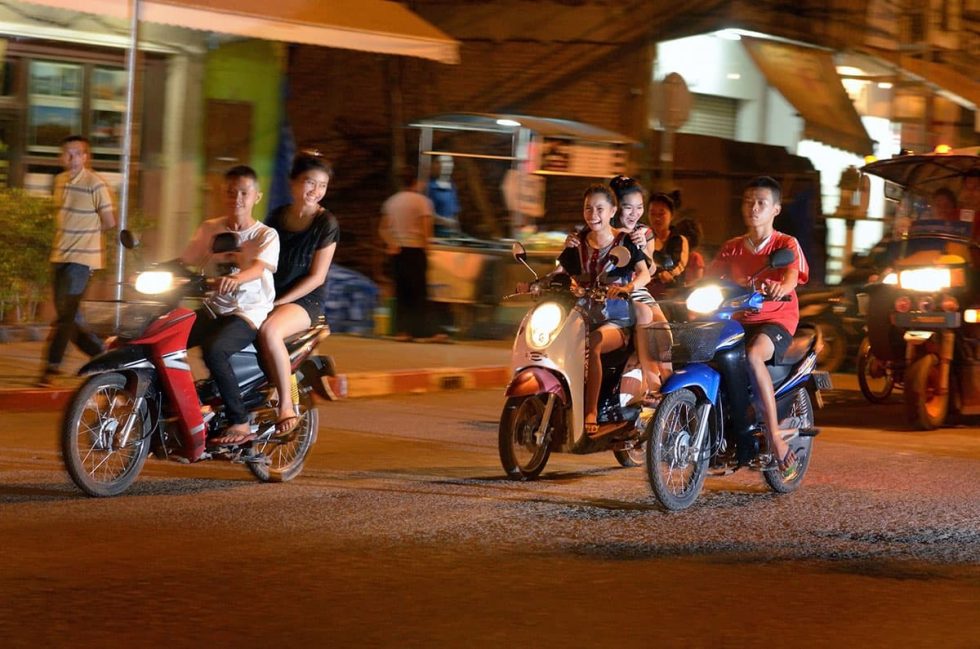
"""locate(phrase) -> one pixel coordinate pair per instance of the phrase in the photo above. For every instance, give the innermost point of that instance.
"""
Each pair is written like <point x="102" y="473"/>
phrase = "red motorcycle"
<point x="141" y="397"/>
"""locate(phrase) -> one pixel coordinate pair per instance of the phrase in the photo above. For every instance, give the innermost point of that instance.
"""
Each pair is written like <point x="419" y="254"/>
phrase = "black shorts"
<point x="312" y="305"/>
<point x="775" y="332"/>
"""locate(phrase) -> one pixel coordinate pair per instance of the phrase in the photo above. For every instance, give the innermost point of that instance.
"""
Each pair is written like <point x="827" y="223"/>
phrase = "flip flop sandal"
<point x="232" y="439"/>
<point x="789" y="466"/>
<point x="591" y="428"/>
<point x="286" y="425"/>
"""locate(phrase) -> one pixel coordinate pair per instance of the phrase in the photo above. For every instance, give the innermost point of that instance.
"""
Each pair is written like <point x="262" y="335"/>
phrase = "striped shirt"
<point x="78" y="238"/>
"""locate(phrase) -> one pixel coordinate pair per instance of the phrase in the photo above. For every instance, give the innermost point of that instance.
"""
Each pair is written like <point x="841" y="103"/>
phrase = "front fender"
<point x="536" y="380"/>
<point x="697" y="376"/>
<point x="117" y="359"/>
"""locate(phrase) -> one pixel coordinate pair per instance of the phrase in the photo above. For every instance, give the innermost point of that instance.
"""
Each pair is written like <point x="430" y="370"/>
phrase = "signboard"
<point x="582" y="159"/>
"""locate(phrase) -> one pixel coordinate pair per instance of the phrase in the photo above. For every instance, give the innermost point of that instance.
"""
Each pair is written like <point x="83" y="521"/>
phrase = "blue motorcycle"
<point x="706" y="422"/>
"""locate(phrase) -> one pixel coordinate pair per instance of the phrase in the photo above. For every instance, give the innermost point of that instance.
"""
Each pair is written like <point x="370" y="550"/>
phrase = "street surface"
<point x="403" y="532"/>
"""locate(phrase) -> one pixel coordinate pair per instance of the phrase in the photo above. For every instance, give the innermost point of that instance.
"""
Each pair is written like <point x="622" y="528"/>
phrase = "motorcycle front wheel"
<point x="802" y="409"/>
<point x="675" y="467"/>
<point x="97" y="457"/>
<point x="283" y="457"/>
<point x="524" y="452"/>
<point x="630" y="458"/>
<point x="875" y="378"/>
<point x="924" y="403"/>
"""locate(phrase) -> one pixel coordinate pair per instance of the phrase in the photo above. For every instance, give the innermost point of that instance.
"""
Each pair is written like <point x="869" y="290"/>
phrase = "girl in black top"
<point x="670" y="249"/>
<point x="307" y="241"/>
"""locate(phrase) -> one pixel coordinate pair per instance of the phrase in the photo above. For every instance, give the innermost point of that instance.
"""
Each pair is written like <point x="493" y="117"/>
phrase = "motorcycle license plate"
<point x="932" y="320"/>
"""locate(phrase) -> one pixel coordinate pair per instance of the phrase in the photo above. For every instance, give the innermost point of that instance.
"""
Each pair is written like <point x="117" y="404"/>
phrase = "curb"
<point x="350" y="386"/>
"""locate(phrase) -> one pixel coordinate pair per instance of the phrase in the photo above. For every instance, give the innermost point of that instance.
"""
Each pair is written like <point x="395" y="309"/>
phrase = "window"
<point x="55" y="99"/>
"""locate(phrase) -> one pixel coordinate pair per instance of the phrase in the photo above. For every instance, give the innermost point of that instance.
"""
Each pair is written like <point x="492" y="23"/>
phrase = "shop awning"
<point x="808" y="79"/>
<point x="366" y="25"/>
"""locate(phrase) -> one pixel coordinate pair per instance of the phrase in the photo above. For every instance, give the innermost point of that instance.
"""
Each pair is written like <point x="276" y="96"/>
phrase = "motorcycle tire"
<point x="631" y="457"/>
<point x="875" y="389"/>
<point x="284" y="458"/>
<point x="523" y="454"/>
<point x="94" y="455"/>
<point x="802" y="446"/>
<point x="834" y="351"/>
<point x="924" y="404"/>
<point x="675" y="468"/>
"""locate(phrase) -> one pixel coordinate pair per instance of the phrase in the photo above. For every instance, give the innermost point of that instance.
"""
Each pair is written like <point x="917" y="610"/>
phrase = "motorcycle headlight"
<point x="153" y="282"/>
<point x="543" y="325"/>
<point x="924" y="279"/>
<point x="705" y="299"/>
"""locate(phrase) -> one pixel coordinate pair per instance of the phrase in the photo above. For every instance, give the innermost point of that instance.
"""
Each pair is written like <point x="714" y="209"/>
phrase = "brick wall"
<point x="354" y="107"/>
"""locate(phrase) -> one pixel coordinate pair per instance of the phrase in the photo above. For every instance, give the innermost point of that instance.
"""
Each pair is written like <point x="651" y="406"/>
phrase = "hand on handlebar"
<point x="775" y="291"/>
<point x="618" y="290"/>
<point x="226" y="284"/>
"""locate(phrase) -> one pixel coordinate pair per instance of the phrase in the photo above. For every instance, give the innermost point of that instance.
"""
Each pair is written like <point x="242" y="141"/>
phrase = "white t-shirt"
<point x="254" y="299"/>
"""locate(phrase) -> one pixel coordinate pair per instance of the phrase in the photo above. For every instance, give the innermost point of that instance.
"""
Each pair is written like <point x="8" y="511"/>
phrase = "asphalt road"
<point x="402" y="532"/>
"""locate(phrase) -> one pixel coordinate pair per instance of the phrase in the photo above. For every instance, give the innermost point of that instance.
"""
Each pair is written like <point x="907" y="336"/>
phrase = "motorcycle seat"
<point x="802" y="343"/>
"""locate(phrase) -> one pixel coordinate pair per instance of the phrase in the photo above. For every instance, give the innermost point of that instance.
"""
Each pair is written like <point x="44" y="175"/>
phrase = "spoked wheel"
<point x="283" y="457"/>
<point x="875" y="377"/>
<point x="675" y="467"/>
<point x="101" y="456"/>
<point x="524" y="444"/>
<point x="632" y="457"/>
<point x="925" y="403"/>
<point x="802" y="409"/>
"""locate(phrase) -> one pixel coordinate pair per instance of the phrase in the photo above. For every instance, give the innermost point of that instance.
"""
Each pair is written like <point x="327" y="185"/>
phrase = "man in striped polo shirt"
<point x="84" y="210"/>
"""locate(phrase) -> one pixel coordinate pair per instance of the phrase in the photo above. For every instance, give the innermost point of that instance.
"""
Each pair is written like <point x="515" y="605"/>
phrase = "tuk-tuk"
<point x="923" y="317"/>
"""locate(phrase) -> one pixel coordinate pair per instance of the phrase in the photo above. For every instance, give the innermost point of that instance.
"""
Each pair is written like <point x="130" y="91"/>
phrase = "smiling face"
<point x="241" y="195"/>
<point x="309" y="187"/>
<point x="631" y="210"/>
<point x="759" y="209"/>
<point x="598" y="211"/>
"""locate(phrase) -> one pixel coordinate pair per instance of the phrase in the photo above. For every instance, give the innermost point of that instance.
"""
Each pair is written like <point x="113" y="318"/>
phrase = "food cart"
<point x="475" y="272"/>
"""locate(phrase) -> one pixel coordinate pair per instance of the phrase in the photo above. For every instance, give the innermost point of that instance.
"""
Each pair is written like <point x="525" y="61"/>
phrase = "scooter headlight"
<point x="928" y="280"/>
<point x="705" y="299"/>
<point x="542" y="327"/>
<point x="153" y="282"/>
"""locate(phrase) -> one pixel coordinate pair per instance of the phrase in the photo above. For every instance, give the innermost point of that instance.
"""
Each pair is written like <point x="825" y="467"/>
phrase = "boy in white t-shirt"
<point x="230" y="318"/>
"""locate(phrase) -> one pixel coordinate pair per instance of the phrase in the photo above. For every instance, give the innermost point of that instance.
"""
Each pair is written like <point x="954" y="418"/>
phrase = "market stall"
<point x="477" y="270"/>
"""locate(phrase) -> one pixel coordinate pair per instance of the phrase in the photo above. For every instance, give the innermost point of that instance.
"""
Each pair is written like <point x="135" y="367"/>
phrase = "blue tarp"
<point x="351" y="300"/>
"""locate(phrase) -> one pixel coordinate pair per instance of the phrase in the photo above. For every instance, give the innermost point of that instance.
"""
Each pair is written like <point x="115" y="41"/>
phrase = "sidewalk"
<point x="366" y="367"/>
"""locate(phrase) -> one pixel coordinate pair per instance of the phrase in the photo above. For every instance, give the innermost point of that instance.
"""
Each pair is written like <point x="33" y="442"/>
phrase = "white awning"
<point x="365" y="25"/>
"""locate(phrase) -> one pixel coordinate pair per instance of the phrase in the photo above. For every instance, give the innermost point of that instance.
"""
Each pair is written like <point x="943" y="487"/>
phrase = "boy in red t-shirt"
<point x="769" y="332"/>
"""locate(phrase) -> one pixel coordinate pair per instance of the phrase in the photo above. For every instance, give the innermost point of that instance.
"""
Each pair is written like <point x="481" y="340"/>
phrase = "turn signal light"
<point x="903" y="304"/>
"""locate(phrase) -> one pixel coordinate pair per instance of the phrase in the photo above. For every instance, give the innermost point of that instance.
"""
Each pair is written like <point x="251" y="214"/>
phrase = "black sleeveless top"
<point x="296" y="249"/>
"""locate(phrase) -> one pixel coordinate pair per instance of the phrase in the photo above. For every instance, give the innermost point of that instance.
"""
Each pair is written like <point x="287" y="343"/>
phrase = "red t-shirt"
<point x="737" y="261"/>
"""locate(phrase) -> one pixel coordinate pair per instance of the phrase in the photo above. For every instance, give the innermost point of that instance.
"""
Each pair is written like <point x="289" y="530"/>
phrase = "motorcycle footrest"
<point x="809" y="432"/>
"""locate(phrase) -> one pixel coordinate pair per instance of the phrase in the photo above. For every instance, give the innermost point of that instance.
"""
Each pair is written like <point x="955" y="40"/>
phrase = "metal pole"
<point x="127" y="141"/>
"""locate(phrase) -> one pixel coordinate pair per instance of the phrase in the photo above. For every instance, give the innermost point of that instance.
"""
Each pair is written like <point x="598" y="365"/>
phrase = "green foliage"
<point x="26" y="232"/>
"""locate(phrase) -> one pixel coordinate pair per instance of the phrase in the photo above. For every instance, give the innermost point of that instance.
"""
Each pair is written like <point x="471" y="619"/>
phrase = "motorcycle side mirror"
<point x="781" y="258"/>
<point x="518" y="252"/>
<point x="224" y="242"/>
<point x="128" y="240"/>
<point x="620" y="256"/>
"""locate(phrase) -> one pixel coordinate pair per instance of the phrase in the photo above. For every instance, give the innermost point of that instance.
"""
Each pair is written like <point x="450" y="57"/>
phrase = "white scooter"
<point x="544" y="412"/>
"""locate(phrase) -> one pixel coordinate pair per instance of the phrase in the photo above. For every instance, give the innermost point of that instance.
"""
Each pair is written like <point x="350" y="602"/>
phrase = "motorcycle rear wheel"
<point x="923" y="402"/>
<point x="285" y="457"/>
<point x="90" y="446"/>
<point x="802" y="446"/>
<point x="875" y="378"/>
<point x="523" y="453"/>
<point x="675" y="468"/>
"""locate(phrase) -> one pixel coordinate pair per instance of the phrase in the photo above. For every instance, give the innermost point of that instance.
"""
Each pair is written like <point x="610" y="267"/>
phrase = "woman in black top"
<point x="670" y="249"/>
<point x="307" y="241"/>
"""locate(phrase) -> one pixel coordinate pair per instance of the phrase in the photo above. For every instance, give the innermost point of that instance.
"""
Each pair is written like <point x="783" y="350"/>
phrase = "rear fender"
<point x="536" y="380"/>
<point x="314" y="371"/>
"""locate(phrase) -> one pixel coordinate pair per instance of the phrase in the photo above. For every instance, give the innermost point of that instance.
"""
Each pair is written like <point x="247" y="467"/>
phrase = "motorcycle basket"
<point x="126" y="319"/>
<point x="683" y="342"/>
